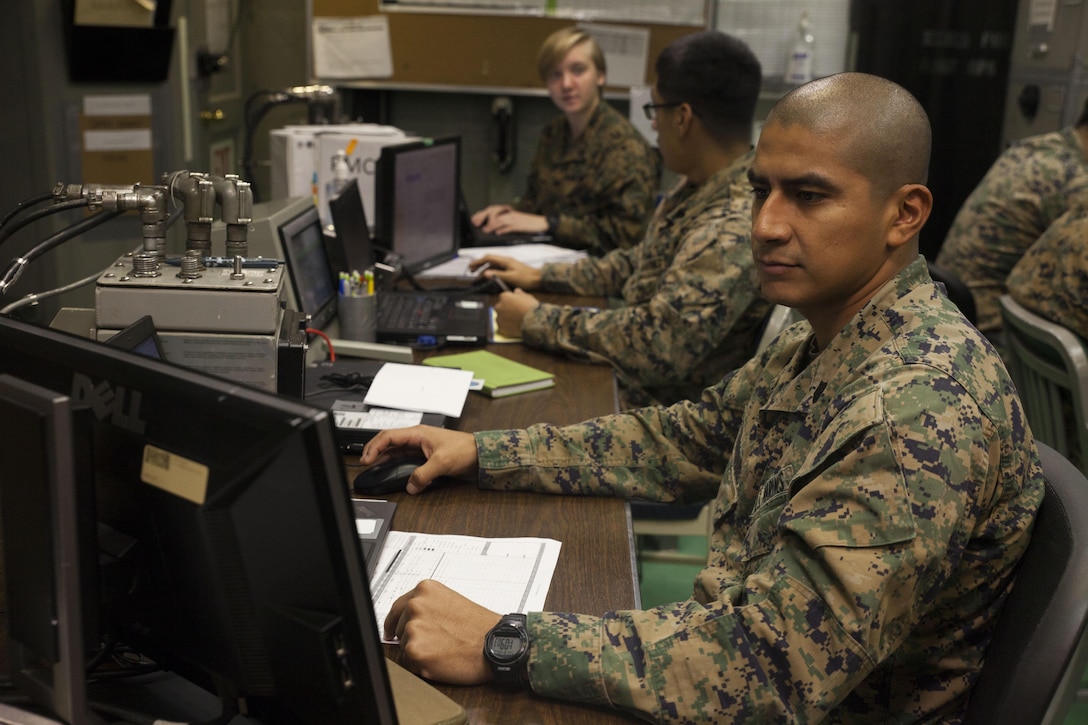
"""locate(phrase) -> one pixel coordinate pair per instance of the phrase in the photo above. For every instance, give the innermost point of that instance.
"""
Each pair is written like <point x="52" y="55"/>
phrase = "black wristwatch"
<point x="506" y="648"/>
<point x="553" y="224"/>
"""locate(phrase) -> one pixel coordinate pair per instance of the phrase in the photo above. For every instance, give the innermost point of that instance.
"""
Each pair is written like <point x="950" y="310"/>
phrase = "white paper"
<point x="421" y="388"/>
<point x="625" y="50"/>
<point x="503" y="575"/>
<point x="533" y="254"/>
<point x="137" y="139"/>
<point x="1041" y="13"/>
<point x="128" y="104"/>
<point x="675" y="12"/>
<point x="352" y="47"/>
<point x="639" y="96"/>
<point x="376" y="419"/>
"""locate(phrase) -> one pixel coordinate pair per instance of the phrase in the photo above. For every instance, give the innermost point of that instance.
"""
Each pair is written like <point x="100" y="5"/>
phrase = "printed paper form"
<point x="503" y="575"/>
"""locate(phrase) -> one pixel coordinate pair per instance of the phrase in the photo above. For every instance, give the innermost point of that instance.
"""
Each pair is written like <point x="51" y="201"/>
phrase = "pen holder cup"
<point x="358" y="317"/>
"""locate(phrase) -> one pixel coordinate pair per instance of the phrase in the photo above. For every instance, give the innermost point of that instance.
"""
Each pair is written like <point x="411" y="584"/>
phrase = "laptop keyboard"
<point x="411" y="312"/>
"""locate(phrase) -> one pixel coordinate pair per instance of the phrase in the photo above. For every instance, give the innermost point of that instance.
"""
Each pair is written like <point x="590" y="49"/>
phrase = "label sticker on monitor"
<point x="174" y="474"/>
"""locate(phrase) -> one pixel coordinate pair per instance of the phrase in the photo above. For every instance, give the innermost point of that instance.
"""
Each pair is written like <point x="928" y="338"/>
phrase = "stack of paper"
<point x="411" y="387"/>
<point x="501" y="377"/>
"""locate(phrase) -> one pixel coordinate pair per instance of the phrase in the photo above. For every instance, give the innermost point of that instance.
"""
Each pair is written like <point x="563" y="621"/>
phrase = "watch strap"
<point x="510" y="672"/>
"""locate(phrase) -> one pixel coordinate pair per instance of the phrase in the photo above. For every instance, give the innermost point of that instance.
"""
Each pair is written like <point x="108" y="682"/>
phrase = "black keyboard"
<point x="423" y="312"/>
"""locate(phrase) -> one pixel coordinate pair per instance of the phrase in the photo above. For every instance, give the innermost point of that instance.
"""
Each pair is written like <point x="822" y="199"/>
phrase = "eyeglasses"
<point x="650" y="109"/>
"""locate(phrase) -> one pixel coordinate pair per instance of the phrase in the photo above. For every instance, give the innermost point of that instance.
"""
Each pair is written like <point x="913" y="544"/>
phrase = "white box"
<point x="302" y="157"/>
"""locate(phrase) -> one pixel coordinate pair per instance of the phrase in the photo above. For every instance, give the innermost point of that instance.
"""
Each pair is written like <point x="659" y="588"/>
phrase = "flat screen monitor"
<point x="354" y="250"/>
<point x="416" y="193"/>
<point x="219" y="525"/>
<point x="290" y="230"/>
<point x="308" y="266"/>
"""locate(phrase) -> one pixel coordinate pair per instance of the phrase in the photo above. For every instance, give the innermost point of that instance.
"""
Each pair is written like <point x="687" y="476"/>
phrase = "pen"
<point x="394" y="561"/>
<point x="253" y="263"/>
<point x="505" y="287"/>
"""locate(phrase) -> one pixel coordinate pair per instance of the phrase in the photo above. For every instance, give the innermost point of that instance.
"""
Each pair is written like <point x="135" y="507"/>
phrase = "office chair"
<point x="955" y="289"/>
<point x="1033" y="666"/>
<point x="1049" y="365"/>
<point x="663" y="519"/>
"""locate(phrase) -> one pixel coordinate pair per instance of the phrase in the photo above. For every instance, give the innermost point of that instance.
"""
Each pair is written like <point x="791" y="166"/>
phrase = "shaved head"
<point x="887" y="130"/>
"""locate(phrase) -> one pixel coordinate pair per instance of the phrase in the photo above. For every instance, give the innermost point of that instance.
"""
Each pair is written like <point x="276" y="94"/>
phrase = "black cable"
<point x="29" y="201"/>
<point x="7" y="231"/>
<point x="249" y="130"/>
<point x="16" y="267"/>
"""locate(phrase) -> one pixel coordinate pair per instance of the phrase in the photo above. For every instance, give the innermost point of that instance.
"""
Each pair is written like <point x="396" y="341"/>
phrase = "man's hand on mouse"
<point x="448" y="452"/>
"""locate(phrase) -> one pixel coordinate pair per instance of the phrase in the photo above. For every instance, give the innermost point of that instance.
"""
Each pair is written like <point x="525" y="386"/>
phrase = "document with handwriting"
<point x="504" y="575"/>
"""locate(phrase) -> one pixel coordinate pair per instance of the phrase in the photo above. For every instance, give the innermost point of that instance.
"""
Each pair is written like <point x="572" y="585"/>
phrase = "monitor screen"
<point x="308" y="266"/>
<point x="224" y="541"/>
<point x="416" y="201"/>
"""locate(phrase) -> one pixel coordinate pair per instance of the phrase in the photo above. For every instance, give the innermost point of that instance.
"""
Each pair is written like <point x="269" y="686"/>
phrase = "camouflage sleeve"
<point x="877" y="519"/>
<point x="626" y="186"/>
<point x="530" y="200"/>
<point x="696" y="302"/>
<point x="676" y="453"/>
<point x="604" y="276"/>
<point x="1025" y="190"/>
<point x="1052" y="277"/>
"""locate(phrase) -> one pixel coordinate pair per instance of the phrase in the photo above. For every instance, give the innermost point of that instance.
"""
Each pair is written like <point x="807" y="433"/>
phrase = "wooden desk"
<point x="596" y="570"/>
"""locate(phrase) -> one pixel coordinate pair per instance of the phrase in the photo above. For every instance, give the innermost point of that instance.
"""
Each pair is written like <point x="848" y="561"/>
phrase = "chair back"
<point x="1035" y="660"/>
<point x="1049" y="365"/>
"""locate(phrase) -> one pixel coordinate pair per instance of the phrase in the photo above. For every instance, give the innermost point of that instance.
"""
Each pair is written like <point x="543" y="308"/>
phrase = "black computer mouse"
<point x="388" y="477"/>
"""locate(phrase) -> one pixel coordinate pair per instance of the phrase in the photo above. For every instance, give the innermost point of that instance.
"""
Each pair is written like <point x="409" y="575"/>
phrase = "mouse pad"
<point x="340" y="386"/>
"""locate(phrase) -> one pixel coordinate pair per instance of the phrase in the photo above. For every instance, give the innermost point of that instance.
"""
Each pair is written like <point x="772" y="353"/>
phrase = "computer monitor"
<point x="205" y="524"/>
<point x="290" y="230"/>
<point x="354" y="251"/>
<point x="416" y="192"/>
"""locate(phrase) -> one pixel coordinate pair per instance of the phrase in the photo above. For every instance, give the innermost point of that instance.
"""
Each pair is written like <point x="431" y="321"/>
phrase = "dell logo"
<point x="119" y="406"/>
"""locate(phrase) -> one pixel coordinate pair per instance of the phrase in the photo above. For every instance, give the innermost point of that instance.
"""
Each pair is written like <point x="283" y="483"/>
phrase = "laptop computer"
<point x="341" y="386"/>
<point x="139" y="337"/>
<point x="474" y="236"/>
<point x="423" y="318"/>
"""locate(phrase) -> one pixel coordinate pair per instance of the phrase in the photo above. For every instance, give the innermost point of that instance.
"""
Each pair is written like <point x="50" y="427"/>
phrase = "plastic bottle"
<point x="340" y="175"/>
<point x="800" y="61"/>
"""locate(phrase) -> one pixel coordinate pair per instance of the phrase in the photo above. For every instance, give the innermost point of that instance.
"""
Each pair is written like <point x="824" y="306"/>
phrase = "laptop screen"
<point x="308" y="266"/>
<point x="353" y="247"/>
<point x="416" y="201"/>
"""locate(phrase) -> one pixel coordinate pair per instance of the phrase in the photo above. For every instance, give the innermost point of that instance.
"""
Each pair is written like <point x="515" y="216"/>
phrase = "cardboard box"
<point x="302" y="160"/>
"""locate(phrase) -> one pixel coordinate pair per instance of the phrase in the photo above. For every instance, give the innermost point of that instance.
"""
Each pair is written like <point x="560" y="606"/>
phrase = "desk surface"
<point x="596" y="570"/>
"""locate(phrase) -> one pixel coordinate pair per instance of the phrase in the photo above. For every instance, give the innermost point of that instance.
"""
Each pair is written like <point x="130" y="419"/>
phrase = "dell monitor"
<point x="200" y="523"/>
<point x="416" y="195"/>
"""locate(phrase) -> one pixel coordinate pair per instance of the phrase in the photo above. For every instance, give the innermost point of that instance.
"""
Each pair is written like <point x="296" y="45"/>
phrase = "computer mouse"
<point x="387" y="477"/>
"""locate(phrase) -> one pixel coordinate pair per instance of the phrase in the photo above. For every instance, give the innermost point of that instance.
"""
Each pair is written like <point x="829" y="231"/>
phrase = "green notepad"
<point x="501" y="376"/>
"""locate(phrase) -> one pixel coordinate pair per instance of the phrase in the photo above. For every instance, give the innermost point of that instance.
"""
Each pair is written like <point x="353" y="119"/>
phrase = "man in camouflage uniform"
<point x="1051" y="279"/>
<point x="691" y="309"/>
<point x="1029" y="186"/>
<point x="876" y="483"/>
<point x="593" y="180"/>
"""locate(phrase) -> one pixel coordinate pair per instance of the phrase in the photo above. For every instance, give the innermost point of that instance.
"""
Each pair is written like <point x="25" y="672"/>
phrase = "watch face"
<point x="506" y="646"/>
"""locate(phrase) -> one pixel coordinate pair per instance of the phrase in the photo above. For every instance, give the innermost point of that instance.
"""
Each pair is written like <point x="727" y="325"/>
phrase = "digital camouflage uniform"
<point x="691" y="306"/>
<point x="1029" y="186"/>
<point x="1051" y="279"/>
<point x="871" y="505"/>
<point x="602" y="186"/>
